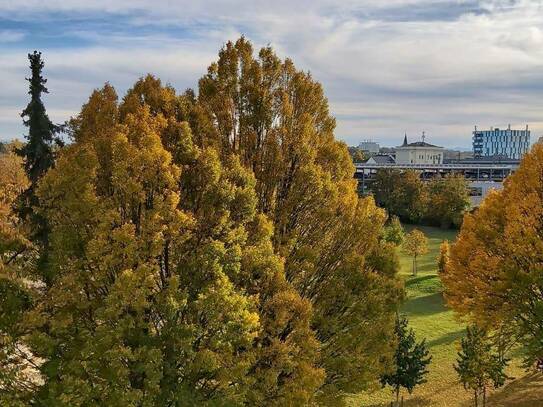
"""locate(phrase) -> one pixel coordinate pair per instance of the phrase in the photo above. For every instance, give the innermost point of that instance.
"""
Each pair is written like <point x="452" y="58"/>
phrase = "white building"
<point x="369" y="146"/>
<point x="418" y="152"/>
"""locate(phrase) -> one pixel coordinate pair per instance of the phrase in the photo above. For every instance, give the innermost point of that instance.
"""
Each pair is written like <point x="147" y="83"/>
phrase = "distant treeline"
<point x="439" y="202"/>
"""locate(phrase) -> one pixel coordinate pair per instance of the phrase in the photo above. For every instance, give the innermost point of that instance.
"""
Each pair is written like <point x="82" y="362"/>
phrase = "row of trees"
<point x="440" y="202"/>
<point x="193" y="249"/>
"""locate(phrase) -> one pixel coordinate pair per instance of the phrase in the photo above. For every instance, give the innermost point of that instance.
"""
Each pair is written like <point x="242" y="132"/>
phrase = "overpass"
<point x="481" y="176"/>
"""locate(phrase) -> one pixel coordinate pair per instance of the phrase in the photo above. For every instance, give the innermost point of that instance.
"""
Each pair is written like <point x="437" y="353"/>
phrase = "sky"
<point x="388" y="67"/>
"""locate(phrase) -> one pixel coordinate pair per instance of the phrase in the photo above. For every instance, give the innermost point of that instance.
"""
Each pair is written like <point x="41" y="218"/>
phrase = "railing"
<point x="510" y="167"/>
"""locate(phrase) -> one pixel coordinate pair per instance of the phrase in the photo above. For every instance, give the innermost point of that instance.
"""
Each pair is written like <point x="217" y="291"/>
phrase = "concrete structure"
<point x="369" y="146"/>
<point x="479" y="189"/>
<point x="419" y="152"/>
<point x="455" y="155"/>
<point x="482" y="175"/>
<point x="495" y="142"/>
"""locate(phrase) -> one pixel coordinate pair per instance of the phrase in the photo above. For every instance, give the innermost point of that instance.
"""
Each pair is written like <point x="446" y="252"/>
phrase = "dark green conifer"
<point x="411" y="360"/>
<point x="38" y="154"/>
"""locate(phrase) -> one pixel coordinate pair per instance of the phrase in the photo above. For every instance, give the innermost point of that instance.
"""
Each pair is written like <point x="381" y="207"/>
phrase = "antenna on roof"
<point x="423" y="136"/>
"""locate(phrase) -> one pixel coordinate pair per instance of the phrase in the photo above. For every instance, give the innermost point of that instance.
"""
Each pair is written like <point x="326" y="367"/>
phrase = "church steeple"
<point x="404" y="140"/>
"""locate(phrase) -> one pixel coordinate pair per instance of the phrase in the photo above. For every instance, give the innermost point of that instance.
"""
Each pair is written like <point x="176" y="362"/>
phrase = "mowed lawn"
<point x="430" y="319"/>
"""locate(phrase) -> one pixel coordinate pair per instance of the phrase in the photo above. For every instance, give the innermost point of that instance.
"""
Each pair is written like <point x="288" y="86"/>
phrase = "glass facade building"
<point x="495" y="142"/>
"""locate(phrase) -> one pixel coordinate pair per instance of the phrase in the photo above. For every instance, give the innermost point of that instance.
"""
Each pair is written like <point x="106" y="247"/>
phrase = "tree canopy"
<point x="209" y="248"/>
<point x="494" y="275"/>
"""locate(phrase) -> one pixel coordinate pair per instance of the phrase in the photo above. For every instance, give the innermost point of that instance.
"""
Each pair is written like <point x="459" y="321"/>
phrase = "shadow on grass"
<point x="408" y="401"/>
<point x="524" y="392"/>
<point x="425" y="305"/>
<point x="418" y="280"/>
<point x="446" y="339"/>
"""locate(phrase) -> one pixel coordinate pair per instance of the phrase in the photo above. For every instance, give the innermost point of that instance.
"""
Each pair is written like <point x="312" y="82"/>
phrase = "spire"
<point x="404" y="140"/>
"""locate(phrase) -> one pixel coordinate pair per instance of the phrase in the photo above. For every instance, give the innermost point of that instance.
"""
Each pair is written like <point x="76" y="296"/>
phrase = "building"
<point x="369" y="146"/>
<point x="381" y="159"/>
<point x="455" y="155"/>
<point x="495" y="142"/>
<point x="419" y="152"/>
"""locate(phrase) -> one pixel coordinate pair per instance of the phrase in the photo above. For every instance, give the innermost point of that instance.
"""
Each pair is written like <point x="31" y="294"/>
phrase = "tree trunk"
<point x="476" y="397"/>
<point x="397" y="396"/>
<point x="414" y="265"/>
<point x="484" y="396"/>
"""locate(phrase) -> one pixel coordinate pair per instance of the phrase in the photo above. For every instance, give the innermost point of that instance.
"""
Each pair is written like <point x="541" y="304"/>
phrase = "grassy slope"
<point x="431" y="320"/>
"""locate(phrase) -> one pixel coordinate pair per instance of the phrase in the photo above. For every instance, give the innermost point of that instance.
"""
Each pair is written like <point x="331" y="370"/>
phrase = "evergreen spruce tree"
<point x="38" y="155"/>
<point x="478" y="365"/>
<point x="411" y="360"/>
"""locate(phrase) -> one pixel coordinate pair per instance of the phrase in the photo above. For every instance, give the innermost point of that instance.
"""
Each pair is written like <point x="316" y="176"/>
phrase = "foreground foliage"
<point x="494" y="275"/>
<point x="209" y="249"/>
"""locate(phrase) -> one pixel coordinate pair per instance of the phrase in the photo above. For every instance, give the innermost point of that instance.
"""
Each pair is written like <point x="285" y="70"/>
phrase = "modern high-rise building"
<point x="506" y="143"/>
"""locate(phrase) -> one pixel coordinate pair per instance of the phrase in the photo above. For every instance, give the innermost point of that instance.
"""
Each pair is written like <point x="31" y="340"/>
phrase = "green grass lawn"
<point x="428" y="316"/>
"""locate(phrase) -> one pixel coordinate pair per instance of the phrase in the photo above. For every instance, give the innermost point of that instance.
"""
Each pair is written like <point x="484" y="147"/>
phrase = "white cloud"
<point x="7" y="36"/>
<point x="387" y="66"/>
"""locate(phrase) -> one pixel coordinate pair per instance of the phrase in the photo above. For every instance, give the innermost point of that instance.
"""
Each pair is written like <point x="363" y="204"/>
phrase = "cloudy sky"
<point x="387" y="66"/>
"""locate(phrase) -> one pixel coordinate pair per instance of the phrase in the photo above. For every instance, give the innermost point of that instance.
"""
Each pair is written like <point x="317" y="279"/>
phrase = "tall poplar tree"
<point x="276" y="119"/>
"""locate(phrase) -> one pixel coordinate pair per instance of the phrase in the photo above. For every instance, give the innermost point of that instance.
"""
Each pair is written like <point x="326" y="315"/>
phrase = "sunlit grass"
<point x="430" y="319"/>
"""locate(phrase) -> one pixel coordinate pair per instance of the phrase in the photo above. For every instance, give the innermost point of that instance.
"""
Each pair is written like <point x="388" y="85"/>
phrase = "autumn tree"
<point x="124" y="259"/>
<point x="401" y="193"/>
<point x="165" y="285"/>
<point x="210" y="248"/>
<point x="478" y="366"/>
<point x="443" y="257"/>
<point x="415" y="245"/>
<point x="277" y="120"/>
<point x="393" y="231"/>
<point x="494" y="273"/>
<point x="357" y="155"/>
<point x="411" y="360"/>
<point x="16" y="383"/>
<point x="448" y="199"/>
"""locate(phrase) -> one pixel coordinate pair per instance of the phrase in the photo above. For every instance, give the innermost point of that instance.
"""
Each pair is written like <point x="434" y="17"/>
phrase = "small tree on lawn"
<point x="393" y="232"/>
<point x="415" y="244"/>
<point x="478" y="365"/>
<point x="410" y="361"/>
<point x="443" y="258"/>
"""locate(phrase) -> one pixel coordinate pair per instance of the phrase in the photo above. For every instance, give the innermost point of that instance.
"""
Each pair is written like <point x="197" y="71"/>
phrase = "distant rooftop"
<point x="382" y="159"/>
<point x="421" y="144"/>
<point x="417" y="143"/>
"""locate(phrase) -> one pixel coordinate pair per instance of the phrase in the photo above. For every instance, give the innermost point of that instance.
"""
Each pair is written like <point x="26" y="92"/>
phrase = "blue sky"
<point x="388" y="67"/>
